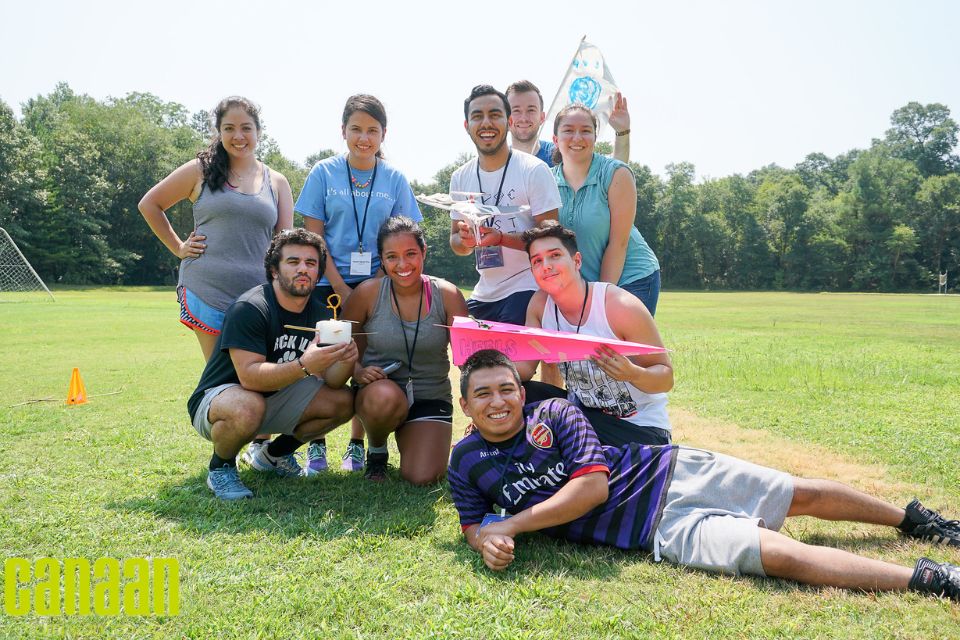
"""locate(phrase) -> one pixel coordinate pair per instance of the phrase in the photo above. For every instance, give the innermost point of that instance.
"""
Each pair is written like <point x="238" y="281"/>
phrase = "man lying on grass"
<point x="544" y="465"/>
<point x="265" y="378"/>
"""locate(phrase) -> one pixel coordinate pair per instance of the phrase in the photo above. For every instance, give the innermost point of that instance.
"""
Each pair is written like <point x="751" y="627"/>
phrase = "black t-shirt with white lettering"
<point x="255" y="323"/>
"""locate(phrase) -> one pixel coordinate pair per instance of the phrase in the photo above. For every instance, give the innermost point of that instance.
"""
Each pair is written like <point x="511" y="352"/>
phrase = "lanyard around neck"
<point x="583" y="307"/>
<point x="509" y="459"/>
<point x="416" y="332"/>
<point x="356" y="216"/>
<point x="499" y="195"/>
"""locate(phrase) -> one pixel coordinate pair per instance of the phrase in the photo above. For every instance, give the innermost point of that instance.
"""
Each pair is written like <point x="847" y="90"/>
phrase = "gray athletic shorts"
<point x="714" y="506"/>
<point x="284" y="407"/>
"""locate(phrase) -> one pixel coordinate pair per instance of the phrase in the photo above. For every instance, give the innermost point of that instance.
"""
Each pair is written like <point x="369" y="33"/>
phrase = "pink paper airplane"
<point x="467" y="336"/>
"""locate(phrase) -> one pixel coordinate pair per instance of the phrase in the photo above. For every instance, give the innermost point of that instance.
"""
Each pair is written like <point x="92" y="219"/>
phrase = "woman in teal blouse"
<point x="599" y="202"/>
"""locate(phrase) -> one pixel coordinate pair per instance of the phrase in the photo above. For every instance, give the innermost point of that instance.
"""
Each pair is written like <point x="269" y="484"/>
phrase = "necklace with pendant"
<point x="239" y="178"/>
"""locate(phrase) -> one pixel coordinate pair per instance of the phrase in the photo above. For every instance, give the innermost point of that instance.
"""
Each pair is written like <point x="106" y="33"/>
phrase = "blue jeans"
<point x="647" y="289"/>
<point x="512" y="309"/>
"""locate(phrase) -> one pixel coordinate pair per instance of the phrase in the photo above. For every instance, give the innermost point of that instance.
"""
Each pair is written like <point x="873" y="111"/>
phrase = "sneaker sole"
<point x="933" y="538"/>
<point x="274" y="470"/>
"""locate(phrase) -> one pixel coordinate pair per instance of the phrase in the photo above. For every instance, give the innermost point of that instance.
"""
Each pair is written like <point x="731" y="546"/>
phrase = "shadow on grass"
<point x="327" y="507"/>
<point x="540" y="555"/>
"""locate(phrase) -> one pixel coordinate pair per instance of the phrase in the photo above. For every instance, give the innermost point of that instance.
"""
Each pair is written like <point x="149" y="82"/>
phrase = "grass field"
<point x="862" y="388"/>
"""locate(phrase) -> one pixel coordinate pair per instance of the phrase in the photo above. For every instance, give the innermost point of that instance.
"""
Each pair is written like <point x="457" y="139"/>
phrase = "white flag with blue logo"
<point x="588" y="81"/>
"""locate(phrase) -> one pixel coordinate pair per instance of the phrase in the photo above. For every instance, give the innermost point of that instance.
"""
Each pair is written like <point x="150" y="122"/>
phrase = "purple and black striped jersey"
<point x="559" y="444"/>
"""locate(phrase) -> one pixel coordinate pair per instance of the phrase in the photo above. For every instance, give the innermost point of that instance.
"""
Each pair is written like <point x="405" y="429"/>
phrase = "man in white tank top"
<point x="625" y="398"/>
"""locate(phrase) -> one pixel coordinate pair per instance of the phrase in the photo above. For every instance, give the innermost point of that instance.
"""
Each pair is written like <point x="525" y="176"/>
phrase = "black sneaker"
<point x="939" y="579"/>
<point x="926" y="524"/>
<point x="376" y="469"/>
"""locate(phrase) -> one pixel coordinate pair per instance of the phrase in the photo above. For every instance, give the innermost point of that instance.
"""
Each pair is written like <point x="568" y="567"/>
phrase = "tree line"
<point x="884" y="218"/>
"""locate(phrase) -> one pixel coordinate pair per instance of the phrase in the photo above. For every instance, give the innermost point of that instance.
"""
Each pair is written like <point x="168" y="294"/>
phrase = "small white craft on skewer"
<point x="333" y="331"/>
<point x="330" y="331"/>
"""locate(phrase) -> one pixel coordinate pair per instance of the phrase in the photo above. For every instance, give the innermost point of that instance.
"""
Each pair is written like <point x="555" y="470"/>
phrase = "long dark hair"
<point x="370" y="106"/>
<point x="214" y="161"/>
<point x="576" y="106"/>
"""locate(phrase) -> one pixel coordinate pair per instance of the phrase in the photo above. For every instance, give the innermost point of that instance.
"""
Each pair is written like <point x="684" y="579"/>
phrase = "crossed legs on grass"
<point x="784" y="557"/>
<point x="424" y="444"/>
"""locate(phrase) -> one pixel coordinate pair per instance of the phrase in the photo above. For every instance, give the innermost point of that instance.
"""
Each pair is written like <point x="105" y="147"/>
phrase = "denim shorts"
<point x="647" y="289"/>
<point x="197" y="314"/>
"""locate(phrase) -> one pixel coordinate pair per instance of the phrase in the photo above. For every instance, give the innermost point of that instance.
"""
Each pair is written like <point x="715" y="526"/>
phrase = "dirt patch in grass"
<point x="800" y="459"/>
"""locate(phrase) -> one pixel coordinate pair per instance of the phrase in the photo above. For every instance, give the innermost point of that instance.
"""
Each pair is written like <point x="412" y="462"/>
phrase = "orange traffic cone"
<point x="77" y="393"/>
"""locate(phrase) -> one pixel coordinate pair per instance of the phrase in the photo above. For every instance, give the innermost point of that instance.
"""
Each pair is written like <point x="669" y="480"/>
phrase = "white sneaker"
<point x="247" y="455"/>
<point x="284" y="466"/>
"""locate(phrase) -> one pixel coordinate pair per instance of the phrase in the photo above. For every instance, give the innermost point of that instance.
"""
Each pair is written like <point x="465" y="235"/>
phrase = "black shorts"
<point x="433" y="410"/>
<point x="611" y="430"/>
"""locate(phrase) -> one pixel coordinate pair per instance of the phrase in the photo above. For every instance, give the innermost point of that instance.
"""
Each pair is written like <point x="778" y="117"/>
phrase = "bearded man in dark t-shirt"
<point x="542" y="463"/>
<point x="266" y="377"/>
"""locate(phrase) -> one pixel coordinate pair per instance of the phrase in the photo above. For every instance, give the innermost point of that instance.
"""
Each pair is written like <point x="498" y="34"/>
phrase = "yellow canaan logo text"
<point x="105" y="587"/>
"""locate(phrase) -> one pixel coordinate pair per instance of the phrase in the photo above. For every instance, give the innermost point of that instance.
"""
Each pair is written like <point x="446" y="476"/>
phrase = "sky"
<point x="728" y="86"/>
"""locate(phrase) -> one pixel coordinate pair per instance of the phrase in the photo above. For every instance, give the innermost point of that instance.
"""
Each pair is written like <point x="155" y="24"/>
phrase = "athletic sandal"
<point x="927" y="524"/>
<point x="316" y="458"/>
<point x="226" y="485"/>
<point x="376" y="467"/>
<point x="353" y="457"/>
<point x="284" y="466"/>
<point x="939" y="579"/>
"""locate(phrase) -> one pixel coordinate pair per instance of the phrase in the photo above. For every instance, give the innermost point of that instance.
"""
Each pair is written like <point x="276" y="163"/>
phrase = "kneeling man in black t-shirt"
<point x="264" y="378"/>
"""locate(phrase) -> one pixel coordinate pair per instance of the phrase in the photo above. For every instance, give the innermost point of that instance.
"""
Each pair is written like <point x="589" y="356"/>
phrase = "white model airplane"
<point x="470" y="209"/>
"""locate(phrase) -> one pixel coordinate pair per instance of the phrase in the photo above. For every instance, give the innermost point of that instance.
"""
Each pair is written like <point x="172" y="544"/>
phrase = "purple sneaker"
<point x="317" y="458"/>
<point x="353" y="457"/>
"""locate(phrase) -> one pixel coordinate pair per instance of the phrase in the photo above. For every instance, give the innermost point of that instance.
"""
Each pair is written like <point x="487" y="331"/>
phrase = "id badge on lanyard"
<point x="361" y="263"/>
<point x="491" y="257"/>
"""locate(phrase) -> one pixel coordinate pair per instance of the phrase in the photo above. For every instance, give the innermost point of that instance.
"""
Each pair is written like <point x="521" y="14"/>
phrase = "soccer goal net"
<point x="16" y="274"/>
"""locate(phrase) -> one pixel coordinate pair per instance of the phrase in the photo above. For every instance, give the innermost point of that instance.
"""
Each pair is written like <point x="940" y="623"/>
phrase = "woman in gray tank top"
<point x="402" y="314"/>
<point x="238" y="204"/>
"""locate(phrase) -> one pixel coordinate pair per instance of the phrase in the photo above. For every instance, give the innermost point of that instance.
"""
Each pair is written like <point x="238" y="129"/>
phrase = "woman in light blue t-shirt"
<point x="599" y="202"/>
<point x="346" y="199"/>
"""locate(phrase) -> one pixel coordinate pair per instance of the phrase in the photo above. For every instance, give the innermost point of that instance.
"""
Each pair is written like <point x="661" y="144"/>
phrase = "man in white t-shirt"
<point x="507" y="180"/>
